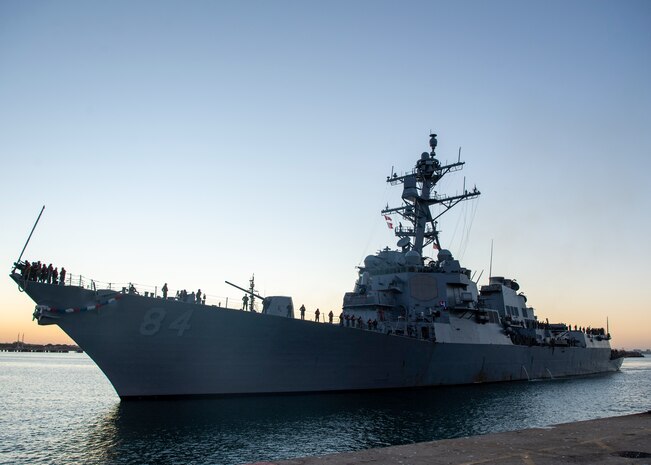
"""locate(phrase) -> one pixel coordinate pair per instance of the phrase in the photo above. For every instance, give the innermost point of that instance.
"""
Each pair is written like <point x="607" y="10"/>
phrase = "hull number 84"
<point x="154" y="320"/>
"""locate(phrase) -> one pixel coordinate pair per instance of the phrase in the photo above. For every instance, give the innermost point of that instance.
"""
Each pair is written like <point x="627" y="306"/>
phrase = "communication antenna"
<point x="490" y="269"/>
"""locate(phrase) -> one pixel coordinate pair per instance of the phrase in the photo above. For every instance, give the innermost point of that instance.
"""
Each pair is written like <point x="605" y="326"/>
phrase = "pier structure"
<point x="606" y="441"/>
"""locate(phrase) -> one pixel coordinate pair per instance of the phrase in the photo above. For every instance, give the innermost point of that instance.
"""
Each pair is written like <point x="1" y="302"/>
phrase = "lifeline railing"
<point x="147" y="290"/>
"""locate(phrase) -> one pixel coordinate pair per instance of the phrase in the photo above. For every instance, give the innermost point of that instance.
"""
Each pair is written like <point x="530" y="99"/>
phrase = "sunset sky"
<point x="201" y="141"/>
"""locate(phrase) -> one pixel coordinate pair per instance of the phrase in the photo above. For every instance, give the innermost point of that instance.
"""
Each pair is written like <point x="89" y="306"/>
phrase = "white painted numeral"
<point x="182" y="323"/>
<point x="151" y="321"/>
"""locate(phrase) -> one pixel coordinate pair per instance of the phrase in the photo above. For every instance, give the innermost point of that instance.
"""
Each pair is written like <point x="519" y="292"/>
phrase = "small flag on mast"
<point x="389" y="221"/>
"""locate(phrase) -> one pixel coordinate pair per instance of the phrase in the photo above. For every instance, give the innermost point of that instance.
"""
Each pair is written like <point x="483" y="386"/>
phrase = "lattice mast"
<point x="417" y="199"/>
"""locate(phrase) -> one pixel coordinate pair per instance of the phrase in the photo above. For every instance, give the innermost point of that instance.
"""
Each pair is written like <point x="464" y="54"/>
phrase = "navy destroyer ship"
<point x="410" y="321"/>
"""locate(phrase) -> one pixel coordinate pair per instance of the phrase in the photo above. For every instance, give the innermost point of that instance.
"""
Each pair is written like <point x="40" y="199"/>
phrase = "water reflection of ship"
<point x="247" y="429"/>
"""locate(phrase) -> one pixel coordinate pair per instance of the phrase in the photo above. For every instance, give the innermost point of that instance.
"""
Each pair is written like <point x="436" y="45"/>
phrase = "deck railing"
<point x="148" y="290"/>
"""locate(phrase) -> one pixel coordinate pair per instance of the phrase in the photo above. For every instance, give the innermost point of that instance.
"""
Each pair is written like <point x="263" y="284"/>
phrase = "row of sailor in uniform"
<point x="41" y="273"/>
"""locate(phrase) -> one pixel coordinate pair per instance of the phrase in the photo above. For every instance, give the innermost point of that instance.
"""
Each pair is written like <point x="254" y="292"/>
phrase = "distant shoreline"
<point x="45" y="348"/>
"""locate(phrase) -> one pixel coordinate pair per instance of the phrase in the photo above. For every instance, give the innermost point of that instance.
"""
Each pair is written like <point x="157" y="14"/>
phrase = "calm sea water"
<point x="59" y="408"/>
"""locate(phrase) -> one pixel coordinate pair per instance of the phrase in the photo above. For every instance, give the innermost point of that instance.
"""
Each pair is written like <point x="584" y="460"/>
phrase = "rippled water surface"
<point x="59" y="408"/>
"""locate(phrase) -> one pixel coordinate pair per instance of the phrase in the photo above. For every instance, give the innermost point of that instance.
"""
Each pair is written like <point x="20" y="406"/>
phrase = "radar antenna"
<point x="417" y="198"/>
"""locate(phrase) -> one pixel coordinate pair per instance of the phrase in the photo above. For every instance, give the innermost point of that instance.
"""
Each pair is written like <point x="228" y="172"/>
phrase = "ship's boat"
<point x="410" y="321"/>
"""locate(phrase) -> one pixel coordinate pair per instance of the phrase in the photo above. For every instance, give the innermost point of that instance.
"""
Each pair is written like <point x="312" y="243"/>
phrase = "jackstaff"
<point x="30" y="236"/>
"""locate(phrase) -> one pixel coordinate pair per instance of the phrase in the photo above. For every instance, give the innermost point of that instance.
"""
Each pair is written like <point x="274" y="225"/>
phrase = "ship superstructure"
<point x="410" y="321"/>
<point x="406" y="293"/>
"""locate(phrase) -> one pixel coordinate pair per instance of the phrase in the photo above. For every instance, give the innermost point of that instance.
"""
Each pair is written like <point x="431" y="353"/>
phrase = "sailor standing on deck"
<point x="164" y="289"/>
<point x="316" y="315"/>
<point x="302" y="312"/>
<point x="245" y="302"/>
<point x="26" y="270"/>
<point x="330" y="315"/>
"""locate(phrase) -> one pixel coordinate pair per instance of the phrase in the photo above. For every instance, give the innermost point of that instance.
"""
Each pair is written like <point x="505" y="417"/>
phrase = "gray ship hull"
<point x="154" y="347"/>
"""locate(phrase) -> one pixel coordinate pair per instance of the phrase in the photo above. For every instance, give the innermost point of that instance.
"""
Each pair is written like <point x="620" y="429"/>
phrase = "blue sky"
<point x="197" y="142"/>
